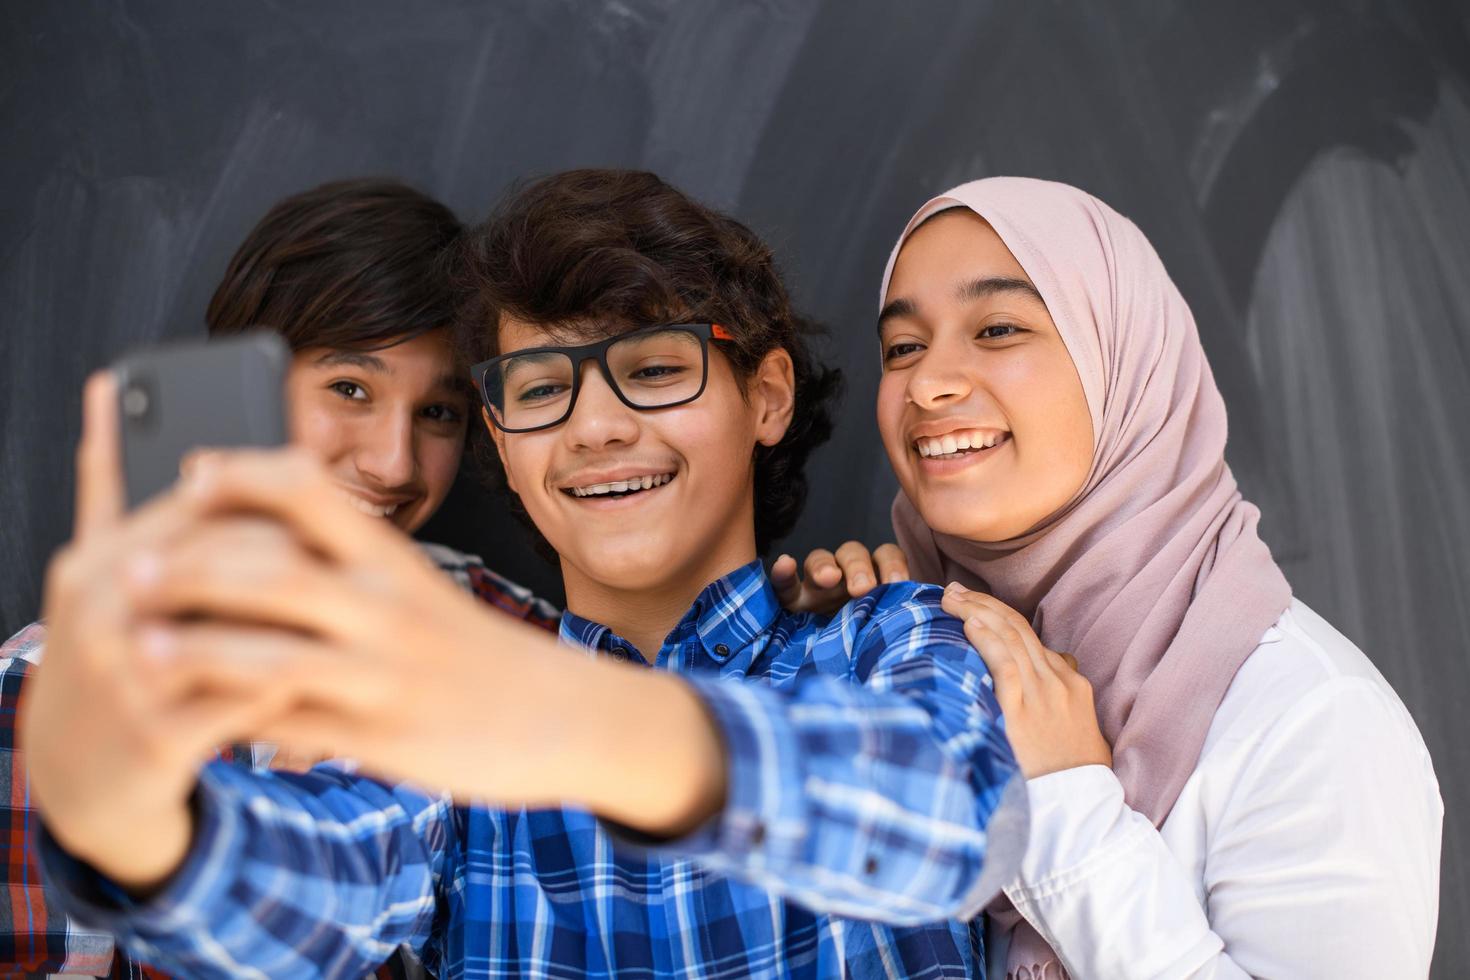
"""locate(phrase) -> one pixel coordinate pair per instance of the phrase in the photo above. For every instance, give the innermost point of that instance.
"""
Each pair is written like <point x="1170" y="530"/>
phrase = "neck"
<point x="645" y="616"/>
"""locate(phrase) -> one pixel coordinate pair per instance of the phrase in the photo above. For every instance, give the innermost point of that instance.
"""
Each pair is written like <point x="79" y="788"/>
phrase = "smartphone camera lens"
<point x="136" y="401"/>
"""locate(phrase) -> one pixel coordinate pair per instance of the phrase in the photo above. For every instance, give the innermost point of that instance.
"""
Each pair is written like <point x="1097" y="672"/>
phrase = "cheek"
<point x="889" y="408"/>
<point x="717" y="441"/>
<point x="527" y="461"/>
<point x="439" y="464"/>
<point x="1053" y="424"/>
<point x="318" y="427"/>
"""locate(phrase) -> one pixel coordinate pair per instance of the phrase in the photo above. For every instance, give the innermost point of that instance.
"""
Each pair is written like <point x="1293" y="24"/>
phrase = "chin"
<point x="415" y="518"/>
<point x="957" y="514"/>
<point x="626" y="570"/>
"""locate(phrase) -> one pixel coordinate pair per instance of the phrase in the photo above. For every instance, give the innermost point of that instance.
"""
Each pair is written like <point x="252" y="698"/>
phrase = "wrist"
<point x="655" y="762"/>
<point x="139" y="854"/>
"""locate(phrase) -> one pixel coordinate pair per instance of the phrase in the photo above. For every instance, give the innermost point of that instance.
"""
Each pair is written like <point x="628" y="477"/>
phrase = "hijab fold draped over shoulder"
<point x="1153" y="575"/>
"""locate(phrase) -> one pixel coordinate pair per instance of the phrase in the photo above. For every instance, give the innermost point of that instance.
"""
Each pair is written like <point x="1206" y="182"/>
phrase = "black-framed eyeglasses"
<point x="652" y="367"/>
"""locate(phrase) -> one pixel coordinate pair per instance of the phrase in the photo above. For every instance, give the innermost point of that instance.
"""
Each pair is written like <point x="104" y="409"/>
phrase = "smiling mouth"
<point x="369" y="508"/>
<point x="956" y="445"/>
<point x="620" y="488"/>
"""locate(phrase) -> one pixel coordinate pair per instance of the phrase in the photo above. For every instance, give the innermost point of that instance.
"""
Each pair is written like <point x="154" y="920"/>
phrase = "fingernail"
<point x="159" y="643"/>
<point x="861" y="582"/>
<point x="145" y="568"/>
<point x="954" y="587"/>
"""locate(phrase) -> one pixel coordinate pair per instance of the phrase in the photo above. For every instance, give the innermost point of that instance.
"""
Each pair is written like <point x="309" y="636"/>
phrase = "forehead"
<point x="953" y="246"/>
<point x="515" y="334"/>
<point x="428" y="357"/>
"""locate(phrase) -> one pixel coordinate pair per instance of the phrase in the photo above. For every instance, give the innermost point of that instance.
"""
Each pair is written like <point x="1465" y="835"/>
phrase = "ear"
<point x="772" y="394"/>
<point x="498" y="438"/>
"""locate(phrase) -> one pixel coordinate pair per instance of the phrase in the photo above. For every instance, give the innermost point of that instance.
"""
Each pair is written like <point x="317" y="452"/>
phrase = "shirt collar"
<point x="726" y="617"/>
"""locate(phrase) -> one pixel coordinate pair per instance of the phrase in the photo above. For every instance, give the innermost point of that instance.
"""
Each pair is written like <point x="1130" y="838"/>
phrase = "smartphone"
<point x="188" y="395"/>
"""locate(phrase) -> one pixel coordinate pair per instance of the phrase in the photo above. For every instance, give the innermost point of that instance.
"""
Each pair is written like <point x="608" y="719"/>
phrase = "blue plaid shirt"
<point x="873" y="807"/>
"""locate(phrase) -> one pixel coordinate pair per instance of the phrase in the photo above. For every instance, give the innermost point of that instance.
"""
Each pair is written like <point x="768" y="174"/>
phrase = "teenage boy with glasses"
<point x="783" y="795"/>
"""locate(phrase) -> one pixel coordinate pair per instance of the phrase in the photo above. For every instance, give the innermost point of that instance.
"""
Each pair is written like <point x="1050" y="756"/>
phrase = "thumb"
<point x="100" y="499"/>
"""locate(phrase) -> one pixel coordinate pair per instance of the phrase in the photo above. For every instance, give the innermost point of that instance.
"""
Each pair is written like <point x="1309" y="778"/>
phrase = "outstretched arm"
<point x="288" y="875"/>
<point x="890" y="795"/>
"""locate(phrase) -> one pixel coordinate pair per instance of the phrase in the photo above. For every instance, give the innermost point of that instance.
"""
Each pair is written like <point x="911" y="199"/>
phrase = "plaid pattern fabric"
<point x="873" y="808"/>
<point x="35" y="938"/>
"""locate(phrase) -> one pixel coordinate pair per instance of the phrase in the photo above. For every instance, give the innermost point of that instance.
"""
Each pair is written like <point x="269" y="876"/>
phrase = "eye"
<point x="540" y="393"/>
<point x="900" y="350"/>
<point x="1001" y="331"/>
<point x="657" y="372"/>
<point x="447" y="414"/>
<point x="350" y="390"/>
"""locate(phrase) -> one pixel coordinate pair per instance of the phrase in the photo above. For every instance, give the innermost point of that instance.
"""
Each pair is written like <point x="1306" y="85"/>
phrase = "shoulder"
<point x="896" y="607"/>
<point x="1304" y="665"/>
<point x="473" y="576"/>
<point x="899" y="619"/>
<point x="24" y="649"/>
<point x="1308" y="699"/>
<point x="456" y="564"/>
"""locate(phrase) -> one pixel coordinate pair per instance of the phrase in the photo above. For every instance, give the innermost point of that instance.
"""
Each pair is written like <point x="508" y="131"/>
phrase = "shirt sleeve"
<point x="289" y="875"/>
<point x="1322" y="861"/>
<point x="891" y="795"/>
<point x="35" y="937"/>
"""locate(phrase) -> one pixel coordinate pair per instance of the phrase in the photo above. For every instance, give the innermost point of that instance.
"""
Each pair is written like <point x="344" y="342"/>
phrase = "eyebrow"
<point x="991" y="285"/>
<point x="355" y="358"/>
<point x="371" y="362"/>
<point x="973" y="289"/>
<point x="535" y="360"/>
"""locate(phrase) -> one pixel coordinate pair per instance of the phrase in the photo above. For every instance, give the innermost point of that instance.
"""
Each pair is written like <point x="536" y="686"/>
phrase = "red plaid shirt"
<point x="36" y="939"/>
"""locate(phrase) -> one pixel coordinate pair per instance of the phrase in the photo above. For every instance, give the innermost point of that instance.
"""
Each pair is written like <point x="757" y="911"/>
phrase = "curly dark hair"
<point x="594" y="253"/>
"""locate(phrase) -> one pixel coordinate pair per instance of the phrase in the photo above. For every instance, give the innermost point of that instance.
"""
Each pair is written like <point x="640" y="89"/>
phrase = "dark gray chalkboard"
<point x="1302" y="165"/>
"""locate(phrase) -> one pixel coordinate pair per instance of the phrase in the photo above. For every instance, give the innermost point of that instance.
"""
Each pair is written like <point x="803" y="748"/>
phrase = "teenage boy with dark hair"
<point x="782" y="796"/>
<point x="352" y="274"/>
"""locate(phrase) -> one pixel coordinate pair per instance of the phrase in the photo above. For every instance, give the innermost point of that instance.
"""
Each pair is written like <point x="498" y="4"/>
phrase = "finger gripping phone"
<point x="188" y="395"/>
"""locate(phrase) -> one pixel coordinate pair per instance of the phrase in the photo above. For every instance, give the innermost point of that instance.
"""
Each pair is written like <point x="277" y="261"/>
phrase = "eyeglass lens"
<point x="650" y="370"/>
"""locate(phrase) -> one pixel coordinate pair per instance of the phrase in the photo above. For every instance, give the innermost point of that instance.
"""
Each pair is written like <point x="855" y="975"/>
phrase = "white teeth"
<point x="623" y="486"/>
<point x="370" y="509"/>
<point x="954" y="442"/>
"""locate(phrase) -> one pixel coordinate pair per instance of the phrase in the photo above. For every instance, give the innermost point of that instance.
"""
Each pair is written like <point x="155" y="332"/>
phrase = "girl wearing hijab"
<point x="1221" y="784"/>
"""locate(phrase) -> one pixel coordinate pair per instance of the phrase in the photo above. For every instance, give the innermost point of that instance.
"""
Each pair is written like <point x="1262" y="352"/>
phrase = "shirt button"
<point x="721" y="650"/>
<point x="758" y="835"/>
<point x="620" y="654"/>
<point x="870" y="867"/>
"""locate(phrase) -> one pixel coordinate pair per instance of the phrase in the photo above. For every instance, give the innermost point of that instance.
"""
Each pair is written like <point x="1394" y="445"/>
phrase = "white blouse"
<point x="1305" y="843"/>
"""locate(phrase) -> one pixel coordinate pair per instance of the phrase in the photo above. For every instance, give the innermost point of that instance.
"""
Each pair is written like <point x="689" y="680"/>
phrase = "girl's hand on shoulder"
<point x="1050" y="717"/>
<point x="833" y="579"/>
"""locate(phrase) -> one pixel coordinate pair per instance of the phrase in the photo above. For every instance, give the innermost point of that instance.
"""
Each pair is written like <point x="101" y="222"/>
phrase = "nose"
<point x="939" y="379"/>
<point x="599" y="418"/>
<point x="387" y="456"/>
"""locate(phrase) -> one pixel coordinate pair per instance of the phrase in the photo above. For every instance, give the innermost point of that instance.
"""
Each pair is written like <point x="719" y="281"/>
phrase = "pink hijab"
<point x="1153" y="576"/>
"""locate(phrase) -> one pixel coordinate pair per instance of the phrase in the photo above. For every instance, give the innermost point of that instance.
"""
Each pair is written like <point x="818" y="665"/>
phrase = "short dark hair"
<point x="595" y="253"/>
<point x="350" y="264"/>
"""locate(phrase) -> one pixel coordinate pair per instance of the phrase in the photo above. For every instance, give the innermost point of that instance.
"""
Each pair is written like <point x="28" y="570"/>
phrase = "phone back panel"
<point x="197" y="394"/>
